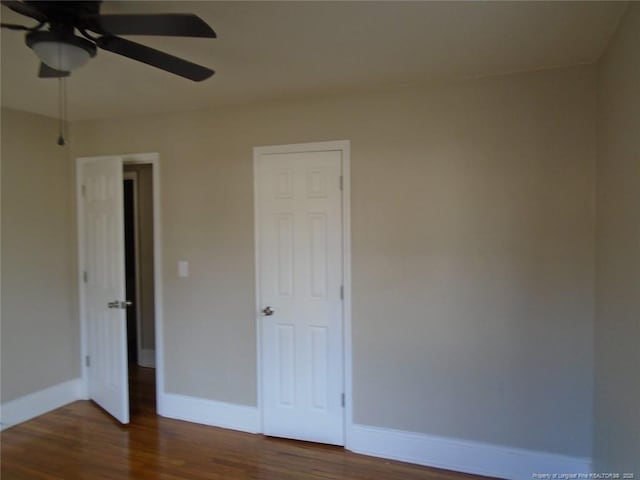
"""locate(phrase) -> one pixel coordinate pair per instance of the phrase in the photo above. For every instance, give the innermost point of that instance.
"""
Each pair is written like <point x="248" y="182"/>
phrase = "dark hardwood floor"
<point x="80" y="441"/>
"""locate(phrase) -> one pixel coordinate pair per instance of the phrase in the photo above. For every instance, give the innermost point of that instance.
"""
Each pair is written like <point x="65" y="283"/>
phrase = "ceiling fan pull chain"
<point x="65" y="114"/>
<point x="61" y="110"/>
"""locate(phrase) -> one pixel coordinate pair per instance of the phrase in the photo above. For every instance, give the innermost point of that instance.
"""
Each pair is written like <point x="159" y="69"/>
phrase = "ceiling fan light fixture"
<point x="61" y="52"/>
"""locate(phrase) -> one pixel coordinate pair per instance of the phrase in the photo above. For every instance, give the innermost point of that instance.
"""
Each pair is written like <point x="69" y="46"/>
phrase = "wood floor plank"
<point x="80" y="441"/>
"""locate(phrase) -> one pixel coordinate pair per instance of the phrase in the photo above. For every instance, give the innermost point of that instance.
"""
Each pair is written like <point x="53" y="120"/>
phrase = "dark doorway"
<point x="142" y="379"/>
<point x="130" y="270"/>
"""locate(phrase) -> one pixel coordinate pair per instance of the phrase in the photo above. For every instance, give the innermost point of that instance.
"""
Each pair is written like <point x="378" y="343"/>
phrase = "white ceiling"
<point x="268" y="50"/>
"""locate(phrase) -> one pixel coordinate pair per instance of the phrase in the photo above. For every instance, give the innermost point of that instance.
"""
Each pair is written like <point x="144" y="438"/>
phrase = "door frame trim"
<point x="344" y="146"/>
<point x="134" y="158"/>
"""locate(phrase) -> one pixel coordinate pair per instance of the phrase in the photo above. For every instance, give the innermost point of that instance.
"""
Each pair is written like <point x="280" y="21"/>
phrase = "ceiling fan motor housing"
<point x="57" y="11"/>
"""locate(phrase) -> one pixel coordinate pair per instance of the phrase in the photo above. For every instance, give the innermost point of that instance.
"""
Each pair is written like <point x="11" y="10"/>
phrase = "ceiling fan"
<point x="61" y="50"/>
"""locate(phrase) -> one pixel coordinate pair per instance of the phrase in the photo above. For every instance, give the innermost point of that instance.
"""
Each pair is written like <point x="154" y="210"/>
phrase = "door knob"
<point x="117" y="304"/>
<point x="267" y="311"/>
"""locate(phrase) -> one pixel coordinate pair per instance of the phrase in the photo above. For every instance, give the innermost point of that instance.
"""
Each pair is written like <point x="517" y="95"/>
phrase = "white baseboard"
<point x="429" y="450"/>
<point x="147" y="358"/>
<point x="210" y="412"/>
<point x="40" y="402"/>
<point x="461" y="455"/>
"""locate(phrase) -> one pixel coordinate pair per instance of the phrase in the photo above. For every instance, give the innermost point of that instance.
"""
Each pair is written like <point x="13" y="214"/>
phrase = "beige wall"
<point x="39" y="322"/>
<point x="617" y="437"/>
<point x="473" y="217"/>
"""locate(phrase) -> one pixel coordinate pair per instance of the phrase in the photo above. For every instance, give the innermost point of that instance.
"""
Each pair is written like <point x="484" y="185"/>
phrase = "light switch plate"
<point x="183" y="269"/>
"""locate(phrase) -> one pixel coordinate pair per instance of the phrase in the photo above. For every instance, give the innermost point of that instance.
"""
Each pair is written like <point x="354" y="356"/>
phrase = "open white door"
<point x="102" y="237"/>
<point x="299" y="248"/>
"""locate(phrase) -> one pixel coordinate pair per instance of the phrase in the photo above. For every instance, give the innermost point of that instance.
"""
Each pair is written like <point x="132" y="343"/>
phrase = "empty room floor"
<point x="80" y="441"/>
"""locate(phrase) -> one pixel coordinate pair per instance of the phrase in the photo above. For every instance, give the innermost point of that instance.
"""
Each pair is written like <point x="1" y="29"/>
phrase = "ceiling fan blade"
<point x="24" y="9"/>
<point x="13" y="26"/>
<point x="155" y="58"/>
<point x="166" y="24"/>
<point x="47" y="72"/>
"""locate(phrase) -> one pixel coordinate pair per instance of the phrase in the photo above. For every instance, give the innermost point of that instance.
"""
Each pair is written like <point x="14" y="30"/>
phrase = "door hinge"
<point x="87" y="361"/>
<point x="84" y="190"/>
<point x="341" y="292"/>
<point x="341" y="182"/>
<point x="85" y="276"/>
<point x="342" y="400"/>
